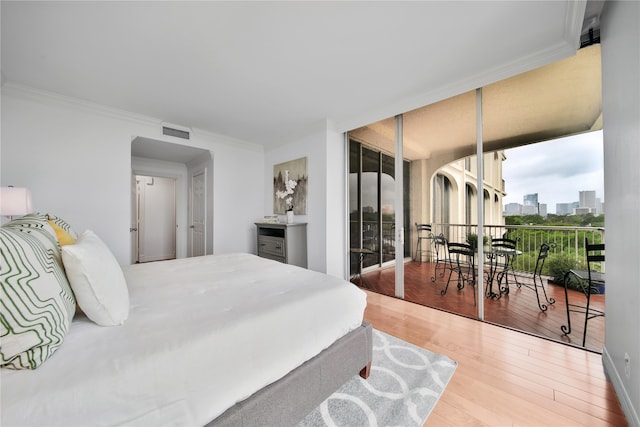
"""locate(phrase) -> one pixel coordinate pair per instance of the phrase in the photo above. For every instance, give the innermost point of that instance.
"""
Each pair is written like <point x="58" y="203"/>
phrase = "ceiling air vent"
<point x="174" y="131"/>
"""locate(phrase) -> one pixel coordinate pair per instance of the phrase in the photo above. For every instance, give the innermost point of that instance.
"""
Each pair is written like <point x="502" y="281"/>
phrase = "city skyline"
<point x="531" y="206"/>
<point x="557" y="170"/>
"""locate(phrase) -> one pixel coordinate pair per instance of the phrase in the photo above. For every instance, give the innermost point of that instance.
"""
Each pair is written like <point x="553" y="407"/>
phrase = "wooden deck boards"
<point x="518" y="310"/>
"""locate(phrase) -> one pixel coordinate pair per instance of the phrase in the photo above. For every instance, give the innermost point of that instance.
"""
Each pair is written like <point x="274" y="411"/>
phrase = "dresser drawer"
<point x="286" y="243"/>
<point x="271" y="246"/>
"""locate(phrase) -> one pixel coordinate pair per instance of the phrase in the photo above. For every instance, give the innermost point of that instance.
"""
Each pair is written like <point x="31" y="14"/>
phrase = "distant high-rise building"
<point x="530" y="204"/>
<point x="542" y="210"/>
<point x="530" y="200"/>
<point x="512" y="209"/>
<point x="564" y="208"/>
<point x="588" y="199"/>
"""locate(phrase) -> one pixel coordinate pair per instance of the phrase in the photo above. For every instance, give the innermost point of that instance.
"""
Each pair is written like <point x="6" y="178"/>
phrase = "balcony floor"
<point x="518" y="310"/>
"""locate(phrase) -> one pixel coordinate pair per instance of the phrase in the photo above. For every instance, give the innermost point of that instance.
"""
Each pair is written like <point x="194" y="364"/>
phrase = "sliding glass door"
<point x="372" y="213"/>
<point x="420" y="188"/>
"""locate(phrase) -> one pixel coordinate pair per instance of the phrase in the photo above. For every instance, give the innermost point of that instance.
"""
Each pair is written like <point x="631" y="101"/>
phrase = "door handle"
<point x="132" y="229"/>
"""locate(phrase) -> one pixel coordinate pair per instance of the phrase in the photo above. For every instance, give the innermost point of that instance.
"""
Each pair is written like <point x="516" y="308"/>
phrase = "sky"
<point x="557" y="170"/>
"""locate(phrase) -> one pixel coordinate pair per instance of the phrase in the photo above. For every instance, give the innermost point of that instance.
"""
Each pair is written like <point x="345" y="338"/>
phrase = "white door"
<point x="198" y="212"/>
<point x="157" y="218"/>
<point x="133" y="228"/>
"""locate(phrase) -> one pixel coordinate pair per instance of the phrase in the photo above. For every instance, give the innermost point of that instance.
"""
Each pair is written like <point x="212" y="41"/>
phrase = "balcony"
<point x="518" y="309"/>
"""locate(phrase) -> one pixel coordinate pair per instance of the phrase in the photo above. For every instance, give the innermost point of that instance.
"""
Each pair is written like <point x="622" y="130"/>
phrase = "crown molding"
<point x="574" y="21"/>
<point x="20" y="91"/>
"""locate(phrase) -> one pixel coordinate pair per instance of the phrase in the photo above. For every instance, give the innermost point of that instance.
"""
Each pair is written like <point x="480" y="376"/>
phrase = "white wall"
<point x="75" y="157"/>
<point x="324" y="149"/>
<point x="336" y="205"/>
<point x="620" y="36"/>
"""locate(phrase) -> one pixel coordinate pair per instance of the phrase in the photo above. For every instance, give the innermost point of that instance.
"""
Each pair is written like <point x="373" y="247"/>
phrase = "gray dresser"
<point x="286" y="243"/>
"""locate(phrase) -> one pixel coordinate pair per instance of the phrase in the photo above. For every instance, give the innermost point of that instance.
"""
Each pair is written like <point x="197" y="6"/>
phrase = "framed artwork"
<point x="290" y="187"/>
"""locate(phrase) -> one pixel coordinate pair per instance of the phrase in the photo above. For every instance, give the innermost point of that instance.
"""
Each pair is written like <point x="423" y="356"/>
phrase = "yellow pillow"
<point x="64" y="238"/>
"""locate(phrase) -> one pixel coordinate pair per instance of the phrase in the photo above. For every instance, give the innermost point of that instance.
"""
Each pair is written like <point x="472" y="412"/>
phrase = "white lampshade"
<point x="15" y="201"/>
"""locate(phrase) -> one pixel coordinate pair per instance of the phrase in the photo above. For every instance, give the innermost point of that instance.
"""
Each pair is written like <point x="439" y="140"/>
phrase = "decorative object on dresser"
<point x="290" y="187"/>
<point x="286" y="243"/>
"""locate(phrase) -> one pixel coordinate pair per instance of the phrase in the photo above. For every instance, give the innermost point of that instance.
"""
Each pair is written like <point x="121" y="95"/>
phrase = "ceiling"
<point x="560" y="99"/>
<point x="264" y="72"/>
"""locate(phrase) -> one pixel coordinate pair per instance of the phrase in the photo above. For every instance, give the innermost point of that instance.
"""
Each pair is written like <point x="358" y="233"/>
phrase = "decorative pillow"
<point x="64" y="238"/>
<point x="63" y="225"/>
<point x="97" y="280"/>
<point x="36" y="301"/>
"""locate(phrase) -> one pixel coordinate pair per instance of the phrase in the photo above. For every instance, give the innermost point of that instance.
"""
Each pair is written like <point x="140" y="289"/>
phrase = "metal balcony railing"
<point x="567" y="242"/>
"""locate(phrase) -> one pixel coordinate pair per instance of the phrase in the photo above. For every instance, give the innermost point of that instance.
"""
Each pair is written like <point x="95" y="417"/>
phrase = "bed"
<point x="229" y="339"/>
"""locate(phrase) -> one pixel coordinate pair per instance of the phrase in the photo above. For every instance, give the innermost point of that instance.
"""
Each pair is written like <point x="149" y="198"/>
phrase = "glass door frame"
<point x="399" y="205"/>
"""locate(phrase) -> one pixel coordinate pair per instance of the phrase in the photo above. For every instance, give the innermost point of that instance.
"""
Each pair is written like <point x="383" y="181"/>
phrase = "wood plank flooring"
<point x="503" y="377"/>
<point x="518" y="310"/>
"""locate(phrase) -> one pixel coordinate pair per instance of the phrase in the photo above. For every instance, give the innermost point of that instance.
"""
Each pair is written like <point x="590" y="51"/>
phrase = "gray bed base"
<point x="290" y="399"/>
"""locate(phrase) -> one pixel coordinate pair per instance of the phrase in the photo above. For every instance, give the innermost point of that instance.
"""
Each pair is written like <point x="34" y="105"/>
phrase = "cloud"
<point x="557" y="170"/>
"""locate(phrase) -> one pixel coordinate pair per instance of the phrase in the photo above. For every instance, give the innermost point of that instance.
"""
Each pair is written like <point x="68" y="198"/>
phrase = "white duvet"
<point x="203" y="333"/>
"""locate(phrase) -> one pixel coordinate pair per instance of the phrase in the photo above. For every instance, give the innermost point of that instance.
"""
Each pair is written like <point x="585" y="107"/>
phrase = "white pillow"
<point x="97" y="280"/>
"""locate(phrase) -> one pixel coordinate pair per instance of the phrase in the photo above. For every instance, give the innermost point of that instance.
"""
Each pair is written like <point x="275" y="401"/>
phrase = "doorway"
<point x="187" y="167"/>
<point x="156" y="218"/>
<point x="198" y="212"/>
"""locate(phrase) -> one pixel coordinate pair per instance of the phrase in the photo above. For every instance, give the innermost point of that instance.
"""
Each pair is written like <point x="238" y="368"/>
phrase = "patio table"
<point x="493" y="254"/>
<point x="361" y="253"/>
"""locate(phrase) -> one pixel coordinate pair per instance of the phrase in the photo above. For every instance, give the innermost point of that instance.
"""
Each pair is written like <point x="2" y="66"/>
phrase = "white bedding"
<point x="202" y="334"/>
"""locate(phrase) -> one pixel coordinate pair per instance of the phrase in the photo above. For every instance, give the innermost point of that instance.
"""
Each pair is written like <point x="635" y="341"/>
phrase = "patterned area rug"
<point x="406" y="382"/>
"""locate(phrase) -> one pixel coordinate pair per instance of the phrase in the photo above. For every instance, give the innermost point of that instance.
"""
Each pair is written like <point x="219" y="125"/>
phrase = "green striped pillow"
<point x="62" y="224"/>
<point x="36" y="301"/>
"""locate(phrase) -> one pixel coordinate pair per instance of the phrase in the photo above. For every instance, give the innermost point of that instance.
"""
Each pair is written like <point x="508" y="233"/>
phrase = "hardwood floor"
<point x="503" y="377"/>
<point x="518" y="310"/>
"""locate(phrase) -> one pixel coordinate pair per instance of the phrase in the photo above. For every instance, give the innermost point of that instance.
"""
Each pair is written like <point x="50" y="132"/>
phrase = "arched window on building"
<point x="487" y="212"/>
<point x="469" y="208"/>
<point x="441" y="199"/>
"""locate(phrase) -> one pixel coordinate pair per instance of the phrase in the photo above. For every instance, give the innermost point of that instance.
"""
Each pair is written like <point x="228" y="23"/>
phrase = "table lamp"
<point x="14" y="201"/>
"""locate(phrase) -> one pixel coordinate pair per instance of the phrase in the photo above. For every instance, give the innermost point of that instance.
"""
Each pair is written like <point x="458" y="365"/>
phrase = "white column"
<point x="480" y="203"/>
<point x="399" y="209"/>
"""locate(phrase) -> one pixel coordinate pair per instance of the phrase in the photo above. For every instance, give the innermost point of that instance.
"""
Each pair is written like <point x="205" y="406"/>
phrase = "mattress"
<point x="203" y="333"/>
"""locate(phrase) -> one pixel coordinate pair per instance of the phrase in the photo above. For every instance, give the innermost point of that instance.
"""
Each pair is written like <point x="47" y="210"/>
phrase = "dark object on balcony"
<point x="424" y="233"/>
<point x="442" y="255"/>
<point x="538" y="283"/>
<point x="590" y="281"/>
<point x="462" y="261"/>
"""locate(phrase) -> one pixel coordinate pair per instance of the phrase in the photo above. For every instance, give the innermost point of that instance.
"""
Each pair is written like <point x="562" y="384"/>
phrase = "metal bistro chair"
<point x="424" y="233"/>
<point x="462" y="261"/>
<point x="589" y="281"/>
<point x="504" y="250"/>
<point x="537" y="279"/>
<point x="442" y="256"/>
